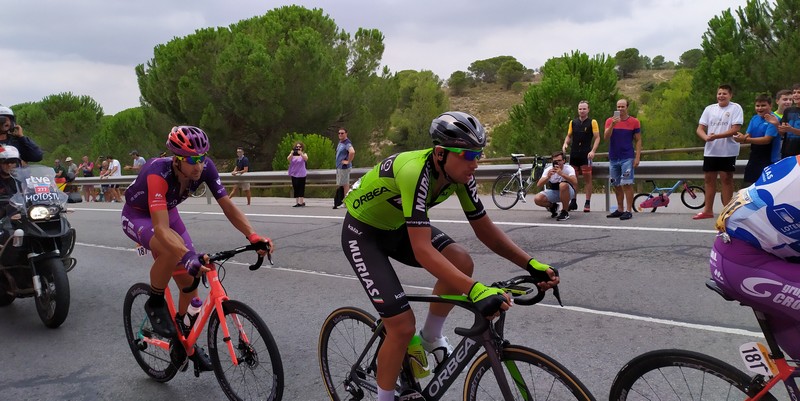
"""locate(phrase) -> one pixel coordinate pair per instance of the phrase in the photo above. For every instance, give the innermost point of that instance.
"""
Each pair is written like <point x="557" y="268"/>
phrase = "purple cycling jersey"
<point x="137" y="195"/>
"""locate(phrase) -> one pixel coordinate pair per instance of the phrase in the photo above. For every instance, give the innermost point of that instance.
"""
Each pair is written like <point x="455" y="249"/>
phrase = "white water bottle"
<point x="192" y="312"/>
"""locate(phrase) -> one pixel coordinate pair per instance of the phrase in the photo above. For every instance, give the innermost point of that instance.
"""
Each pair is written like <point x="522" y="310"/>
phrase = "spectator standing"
<point x="789" y="128"/>
<point x="584" y="134"/>
<point x="12" y="134"/>
<point x="242" y="166"/>
<point x="297" y="170"/>
<point x="138" y="162"/>
<point x="61" y="172"/>
<point x="762" y="135"/>
<point x="560" y="181"/>
<point x="104" y="187"/>
<point x="114" y="170"/>
<point x="344" y="159"/>
<point x="86" y="169"/>
<point x="624" y="154"/>
<point x="718" y="124"/>
<point x="72" y="172"/>
<point x="783" y="99"/>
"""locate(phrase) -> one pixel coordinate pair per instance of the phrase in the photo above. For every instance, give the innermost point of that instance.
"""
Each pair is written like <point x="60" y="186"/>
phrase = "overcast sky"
<point x="90" y="47"/>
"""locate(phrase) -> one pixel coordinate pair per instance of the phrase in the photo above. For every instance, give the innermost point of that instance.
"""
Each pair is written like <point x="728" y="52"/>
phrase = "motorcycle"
<point x="36" y="243"/>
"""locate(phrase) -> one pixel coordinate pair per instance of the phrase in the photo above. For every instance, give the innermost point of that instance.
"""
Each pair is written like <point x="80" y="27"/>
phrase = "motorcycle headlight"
<point x="39" y="213"/>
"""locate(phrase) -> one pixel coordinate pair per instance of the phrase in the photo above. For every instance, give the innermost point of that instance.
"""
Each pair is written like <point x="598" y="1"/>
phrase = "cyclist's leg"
<point x="366" y="248"/>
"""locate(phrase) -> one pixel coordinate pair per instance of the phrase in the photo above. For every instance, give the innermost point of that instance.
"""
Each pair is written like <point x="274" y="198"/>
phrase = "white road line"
<point x="646" y="319"/>
<point x="500" y="223"/>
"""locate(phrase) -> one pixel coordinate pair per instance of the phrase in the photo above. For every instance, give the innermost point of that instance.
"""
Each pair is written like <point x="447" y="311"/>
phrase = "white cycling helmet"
<point x="9" y="152"/>
<point x="6" y="111"/>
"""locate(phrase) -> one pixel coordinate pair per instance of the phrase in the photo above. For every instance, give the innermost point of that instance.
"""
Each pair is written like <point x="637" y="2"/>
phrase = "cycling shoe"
<point x="201" y="359"/>
<point x="160" y="320"/>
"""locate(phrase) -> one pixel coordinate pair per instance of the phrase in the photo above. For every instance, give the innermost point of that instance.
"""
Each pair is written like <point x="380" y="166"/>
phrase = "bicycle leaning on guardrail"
<point x="510" y="188"/>
<point x="692" y="196"/>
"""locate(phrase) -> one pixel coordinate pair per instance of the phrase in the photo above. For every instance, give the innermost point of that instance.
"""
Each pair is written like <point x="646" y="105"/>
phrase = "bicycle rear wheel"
<point x="344" y="336"/>
<point x="693" y="197"/>
<point x="637" y="201"/>
<point x="506" y="191"/>
<point x="259" y="372"/>
<point x="154" y="360"/>
<point x="531" y="375"/>
<point x="679" y="375"/>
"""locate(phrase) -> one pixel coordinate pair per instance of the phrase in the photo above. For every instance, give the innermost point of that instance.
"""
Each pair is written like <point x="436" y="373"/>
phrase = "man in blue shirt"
<point x="762" y="135"/>
<point x="344" y="157"/>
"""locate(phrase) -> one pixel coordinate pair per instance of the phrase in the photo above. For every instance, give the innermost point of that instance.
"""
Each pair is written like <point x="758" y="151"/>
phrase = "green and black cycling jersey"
<point x="400" y="190"/>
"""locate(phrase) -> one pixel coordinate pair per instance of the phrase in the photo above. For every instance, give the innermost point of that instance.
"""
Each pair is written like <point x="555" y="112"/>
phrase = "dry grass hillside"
<point x="491" y="103"/>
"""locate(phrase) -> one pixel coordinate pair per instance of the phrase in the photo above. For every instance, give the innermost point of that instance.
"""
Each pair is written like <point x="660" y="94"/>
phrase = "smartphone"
<point x="616" y="113"/>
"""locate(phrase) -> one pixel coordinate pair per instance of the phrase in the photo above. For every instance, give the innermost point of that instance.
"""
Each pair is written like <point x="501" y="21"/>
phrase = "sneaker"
<point x="440" y="348"/>
<point x="626" y="216"/>
<point x="160" y="319"/>
<point x="553" y="210"/>
<point x="563" y="216"/>
<point x="201" y="359"/>
<point x="616" y="214"/>
<point x="573" y="205"/>
<point x="297" y="205"/>
<point x="586" y="208"/>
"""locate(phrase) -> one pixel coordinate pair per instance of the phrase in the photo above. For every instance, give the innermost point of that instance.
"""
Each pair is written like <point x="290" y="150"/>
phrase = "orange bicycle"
<point x="237" y="337"/>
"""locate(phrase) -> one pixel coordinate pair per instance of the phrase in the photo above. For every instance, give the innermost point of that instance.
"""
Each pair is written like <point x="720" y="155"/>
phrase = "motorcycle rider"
<point x="11" y="134"/>
<point x="9" y="160"/>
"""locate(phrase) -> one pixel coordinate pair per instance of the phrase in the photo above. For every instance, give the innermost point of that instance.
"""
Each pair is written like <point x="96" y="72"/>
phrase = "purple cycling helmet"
<point x="187" y="141"/>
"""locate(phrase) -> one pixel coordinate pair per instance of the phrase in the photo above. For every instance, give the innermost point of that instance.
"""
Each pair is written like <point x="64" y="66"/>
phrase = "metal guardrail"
<point x="647" y="170"/>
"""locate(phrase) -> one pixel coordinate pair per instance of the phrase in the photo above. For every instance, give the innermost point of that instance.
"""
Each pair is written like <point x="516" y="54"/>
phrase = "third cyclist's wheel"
<point x="143" y="341"/>
<point x="506" y="191"/>
<point x="668" y="375"/>
<point x="258" y="374"/>
<point x="693" y="197"/>
<point x="637" y="201"/>
<point x="530" y="374"/>
<point x="344" y="336"/>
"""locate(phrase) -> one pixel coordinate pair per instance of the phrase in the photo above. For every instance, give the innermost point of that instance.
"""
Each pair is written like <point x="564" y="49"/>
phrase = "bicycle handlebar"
<point x="522" y="293"/>
<point x="225" y="255"/>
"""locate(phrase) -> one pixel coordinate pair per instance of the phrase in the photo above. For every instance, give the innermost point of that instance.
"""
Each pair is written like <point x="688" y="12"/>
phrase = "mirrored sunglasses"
<point x="467" y="154"/>
<point x="193" y="159"/>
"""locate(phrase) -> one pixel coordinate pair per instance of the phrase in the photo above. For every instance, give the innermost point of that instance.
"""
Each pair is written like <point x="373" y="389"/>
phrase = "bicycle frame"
<point x="482" y="334"/>
<point x="216" y="296"/>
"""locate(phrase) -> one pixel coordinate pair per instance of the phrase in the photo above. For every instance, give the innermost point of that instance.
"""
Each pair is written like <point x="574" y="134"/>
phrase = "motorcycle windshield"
<point x="36" y="185"/>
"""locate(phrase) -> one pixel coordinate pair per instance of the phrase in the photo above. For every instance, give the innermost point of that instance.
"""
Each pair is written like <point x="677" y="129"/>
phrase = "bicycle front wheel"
<point x="143" y="341"/>
<point x="637" y="202"/>
<point x="679" y="375"/>
<point x="258" y="374"/>
<point x="201" y="190"/>
<point x="506" y="191"/>
<point x="343" y="338"/>
<point x="531" y="375"/>
<point x="693" y="197"/>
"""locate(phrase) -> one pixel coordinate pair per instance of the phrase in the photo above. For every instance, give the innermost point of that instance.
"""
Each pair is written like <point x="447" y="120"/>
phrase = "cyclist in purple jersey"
<point x="150" y="218"/>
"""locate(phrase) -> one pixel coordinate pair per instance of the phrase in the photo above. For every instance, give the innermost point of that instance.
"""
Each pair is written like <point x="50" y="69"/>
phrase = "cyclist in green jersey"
<point x="387" y="217"/>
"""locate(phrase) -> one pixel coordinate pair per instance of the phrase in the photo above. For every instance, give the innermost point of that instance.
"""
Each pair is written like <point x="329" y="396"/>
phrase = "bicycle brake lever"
<point x="557" y="294"/>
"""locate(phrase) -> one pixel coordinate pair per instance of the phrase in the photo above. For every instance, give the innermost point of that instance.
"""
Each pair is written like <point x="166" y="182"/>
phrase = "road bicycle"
<point x="510" y="188"/>
<point x="200" y="191"/>
<point x="674" y="374"/>
<point x="692" y="196"/>
<point x="246" y="359"/>
<point x="350" y="339"/>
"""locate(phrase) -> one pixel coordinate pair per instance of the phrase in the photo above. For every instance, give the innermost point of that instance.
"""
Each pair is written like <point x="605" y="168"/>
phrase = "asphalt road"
<point x="628" y="287"/>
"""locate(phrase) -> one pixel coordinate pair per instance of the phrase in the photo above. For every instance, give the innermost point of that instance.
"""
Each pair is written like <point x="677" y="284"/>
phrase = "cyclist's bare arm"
<point x="497" y="240"/>
<point x="434" y="262"/>
<point x="238" y="219"/>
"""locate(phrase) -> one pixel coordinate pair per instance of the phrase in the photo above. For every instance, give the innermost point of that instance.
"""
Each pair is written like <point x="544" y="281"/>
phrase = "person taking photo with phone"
<point x="560" y="181"/>
<point x="297" y="170"/>
<point x="12" y="134"/>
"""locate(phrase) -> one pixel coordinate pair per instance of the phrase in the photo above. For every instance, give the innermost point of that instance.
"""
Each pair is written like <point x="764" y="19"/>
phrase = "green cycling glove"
<point x="487" y="300"/>
<point x="535" y="265"/>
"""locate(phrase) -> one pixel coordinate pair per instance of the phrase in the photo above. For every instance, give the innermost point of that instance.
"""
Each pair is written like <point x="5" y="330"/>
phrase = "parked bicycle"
<point x="692" y="196"/>
<point x="200" y="191"/>
<point x="510" y="188"/>
<point x="350" y="339"/>
<point x="246" y="359"/>
<point x="674" y="374"/>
